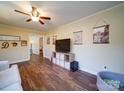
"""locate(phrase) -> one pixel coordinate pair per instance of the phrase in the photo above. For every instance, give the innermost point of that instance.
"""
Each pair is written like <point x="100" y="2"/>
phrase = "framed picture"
<point x="23" y="42"/>
<point x="54" y="39"/>
<point x="9" y="38"/>
<point x="78" y="37"/>
<point x="48" y="40"/>
<point x="101" y="34"/>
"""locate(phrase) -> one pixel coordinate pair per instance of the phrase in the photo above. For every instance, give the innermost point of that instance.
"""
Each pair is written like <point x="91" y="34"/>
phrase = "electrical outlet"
<point x="105" y="67"/>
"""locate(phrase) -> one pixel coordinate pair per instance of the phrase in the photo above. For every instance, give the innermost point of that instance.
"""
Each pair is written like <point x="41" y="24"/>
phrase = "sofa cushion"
<point x="9" y="76"/>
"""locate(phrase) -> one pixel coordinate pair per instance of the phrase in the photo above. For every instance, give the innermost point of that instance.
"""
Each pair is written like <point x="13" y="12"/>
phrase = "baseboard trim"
<point x="47" y="59"/>
<point x="89" y="71"/>
<point x="18" y="61"/>
<point x="82" y="69"/>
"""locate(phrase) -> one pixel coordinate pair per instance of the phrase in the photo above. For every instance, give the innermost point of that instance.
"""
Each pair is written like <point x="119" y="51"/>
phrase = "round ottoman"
<point x="103" y="86"/>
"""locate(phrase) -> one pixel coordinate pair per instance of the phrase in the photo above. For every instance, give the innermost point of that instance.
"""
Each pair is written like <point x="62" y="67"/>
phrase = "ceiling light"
<point x="36" y="19"/>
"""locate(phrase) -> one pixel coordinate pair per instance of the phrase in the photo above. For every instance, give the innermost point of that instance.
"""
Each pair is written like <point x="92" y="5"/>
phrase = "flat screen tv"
<point x="62" y="45"/>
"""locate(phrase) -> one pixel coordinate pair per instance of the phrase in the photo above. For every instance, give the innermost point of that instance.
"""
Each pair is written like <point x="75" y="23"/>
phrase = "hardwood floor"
<point x="40" y="74"/>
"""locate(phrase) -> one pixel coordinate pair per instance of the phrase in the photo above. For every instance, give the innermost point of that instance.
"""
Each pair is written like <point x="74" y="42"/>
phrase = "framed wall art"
<point x="23" y="42"/>
<point x="78" y="37"/>
<point x="101" y="34"/>
<point x="54" y="39"/>
<point x="9" y="38"/>
<point x="48" y="40"/>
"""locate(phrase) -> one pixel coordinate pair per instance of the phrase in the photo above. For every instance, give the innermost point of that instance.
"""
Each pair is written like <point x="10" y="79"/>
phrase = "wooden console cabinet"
<point x="63" y="59"/>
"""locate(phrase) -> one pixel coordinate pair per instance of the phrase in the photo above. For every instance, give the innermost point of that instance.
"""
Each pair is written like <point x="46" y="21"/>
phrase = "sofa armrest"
<point x="13" y="87"/>
<point x="9" y="76"/>
<point x="4" y="65"/>
<point x="16" y="70"/>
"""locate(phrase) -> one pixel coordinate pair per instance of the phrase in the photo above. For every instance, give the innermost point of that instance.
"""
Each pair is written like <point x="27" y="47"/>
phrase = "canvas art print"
<point x="54" y="39"/>
<point x="78" y="38"/>
<point x="101" y="34"/>
<point x="48" y="40"/>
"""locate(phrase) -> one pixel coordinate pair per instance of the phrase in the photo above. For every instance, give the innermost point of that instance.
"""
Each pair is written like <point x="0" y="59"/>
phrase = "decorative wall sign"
<point x="48" y="40"/>
<point x="77" y="37"/>
<point x="5" y="45"/>
<point x="54" y="39"/>
<point x="9" y="38"/>
<point x="101" y="34"/>
<point x="23" y="42"/>
<point x="14" y="44"/>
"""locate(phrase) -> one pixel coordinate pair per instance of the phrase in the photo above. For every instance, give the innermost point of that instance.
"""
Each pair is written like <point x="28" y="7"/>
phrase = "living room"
<point x="68" y="49"/>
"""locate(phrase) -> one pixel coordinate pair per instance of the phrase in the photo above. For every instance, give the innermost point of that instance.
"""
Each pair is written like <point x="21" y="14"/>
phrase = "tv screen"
<point x="62" y="45"/>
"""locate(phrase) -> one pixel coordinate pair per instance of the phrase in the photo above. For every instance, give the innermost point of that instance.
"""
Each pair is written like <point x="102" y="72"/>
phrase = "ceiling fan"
<point x="34" y="15"/>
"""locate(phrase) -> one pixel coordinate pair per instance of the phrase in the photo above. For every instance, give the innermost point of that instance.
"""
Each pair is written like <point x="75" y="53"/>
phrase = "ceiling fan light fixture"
<point x="34" y="16"/>
<point x="36" y="19"/>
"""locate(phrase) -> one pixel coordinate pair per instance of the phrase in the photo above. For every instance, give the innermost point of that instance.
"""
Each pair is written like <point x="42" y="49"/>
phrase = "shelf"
<point x="63" y="59"/>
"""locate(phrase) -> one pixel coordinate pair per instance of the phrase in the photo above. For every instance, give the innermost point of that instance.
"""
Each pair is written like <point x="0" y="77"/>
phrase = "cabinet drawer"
<point x="61" y="56"/>
<point x="67" y="65"/>
<point x="57" y="55"/>
<point x="57" y="61"/>
<point x="54" y="60"/>
<point x="62" y="63"/>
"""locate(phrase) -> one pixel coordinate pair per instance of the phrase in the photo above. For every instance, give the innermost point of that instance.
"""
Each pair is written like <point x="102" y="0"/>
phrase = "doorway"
<point x="41" y="46"/>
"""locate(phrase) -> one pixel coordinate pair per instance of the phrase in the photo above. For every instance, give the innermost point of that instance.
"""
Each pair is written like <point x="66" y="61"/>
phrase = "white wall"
<point x="48" y="49"/>
<point x="19" y="53"/>
<point x="93" y="57"/>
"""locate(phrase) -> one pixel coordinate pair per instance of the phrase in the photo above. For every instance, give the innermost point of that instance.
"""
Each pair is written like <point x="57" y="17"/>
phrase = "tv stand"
<point x="63" y="59"/>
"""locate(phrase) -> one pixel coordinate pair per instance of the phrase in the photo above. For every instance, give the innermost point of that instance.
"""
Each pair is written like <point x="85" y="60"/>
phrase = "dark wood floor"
<point x="41" y="74"/>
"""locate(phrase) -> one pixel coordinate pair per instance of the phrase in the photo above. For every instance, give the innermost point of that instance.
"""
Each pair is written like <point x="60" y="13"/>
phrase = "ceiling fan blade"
<point x="22" y="12"/>
<point x="28" y="20"/>
<point x="34" y="11"/>
<point x="43" y="17"/>
<point x="41" y="22"/>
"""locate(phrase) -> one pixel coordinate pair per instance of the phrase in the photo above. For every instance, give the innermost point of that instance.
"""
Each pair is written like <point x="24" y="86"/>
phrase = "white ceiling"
<point x="61" y="12"/>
